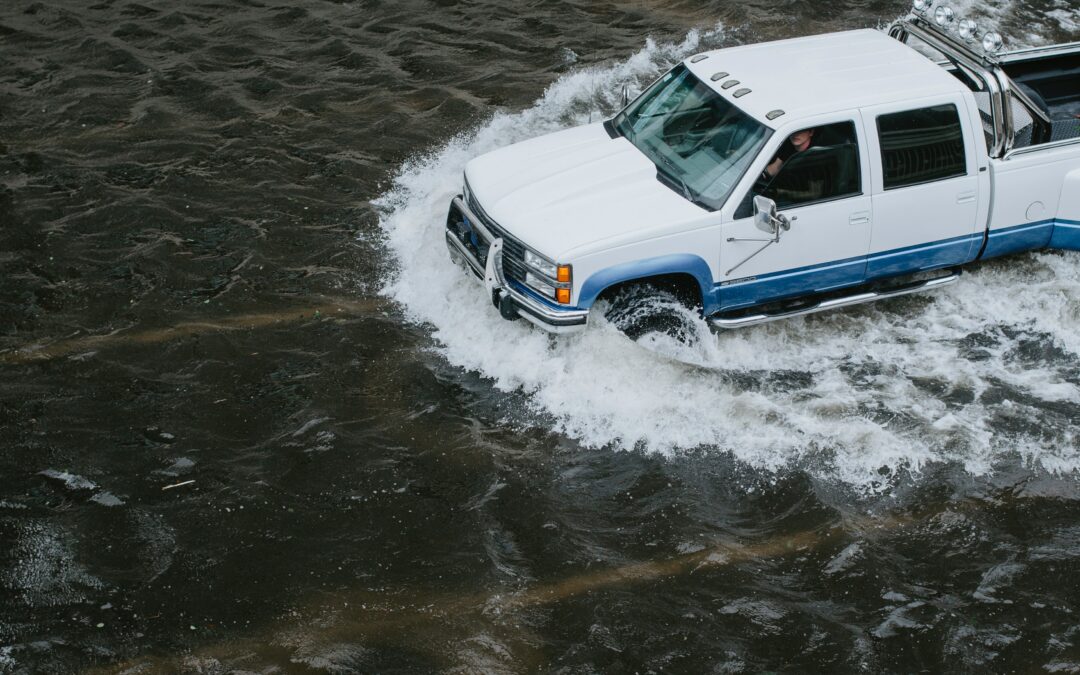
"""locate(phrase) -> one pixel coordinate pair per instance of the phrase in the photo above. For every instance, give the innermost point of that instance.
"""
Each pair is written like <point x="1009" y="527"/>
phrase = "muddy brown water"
<point x="226" y="447"/>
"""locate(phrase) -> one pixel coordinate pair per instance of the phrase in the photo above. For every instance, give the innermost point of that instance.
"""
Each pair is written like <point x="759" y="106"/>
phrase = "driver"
<point x="797" y="142"/>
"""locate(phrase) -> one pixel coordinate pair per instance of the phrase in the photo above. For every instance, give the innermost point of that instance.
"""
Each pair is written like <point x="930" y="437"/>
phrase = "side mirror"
<point x="767" y="219"/>
<point x="765" y="214"/>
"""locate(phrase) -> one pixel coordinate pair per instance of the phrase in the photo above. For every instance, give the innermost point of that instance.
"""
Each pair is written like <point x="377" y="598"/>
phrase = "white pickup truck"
<point x="920" y="151"/>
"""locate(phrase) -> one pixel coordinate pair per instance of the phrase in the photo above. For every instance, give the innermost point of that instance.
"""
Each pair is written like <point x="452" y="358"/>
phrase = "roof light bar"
<point x="944" y="20"/>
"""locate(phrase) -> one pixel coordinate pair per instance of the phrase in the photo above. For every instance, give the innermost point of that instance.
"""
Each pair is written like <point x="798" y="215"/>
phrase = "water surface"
<point x="251" y="417"/>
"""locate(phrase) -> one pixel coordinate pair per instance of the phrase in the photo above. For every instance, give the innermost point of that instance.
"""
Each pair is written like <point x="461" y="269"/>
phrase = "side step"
<point x="835" y="303"/>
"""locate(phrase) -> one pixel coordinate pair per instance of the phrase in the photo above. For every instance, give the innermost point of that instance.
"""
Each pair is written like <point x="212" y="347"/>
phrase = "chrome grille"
<point x="513" y="250"/>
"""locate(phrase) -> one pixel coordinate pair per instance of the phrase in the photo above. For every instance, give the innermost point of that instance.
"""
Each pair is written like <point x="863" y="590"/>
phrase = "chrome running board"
<point x="835" y="303"/>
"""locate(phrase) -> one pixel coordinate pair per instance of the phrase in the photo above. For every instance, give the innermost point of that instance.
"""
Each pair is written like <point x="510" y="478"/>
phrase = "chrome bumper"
<point x="510" y="301"/>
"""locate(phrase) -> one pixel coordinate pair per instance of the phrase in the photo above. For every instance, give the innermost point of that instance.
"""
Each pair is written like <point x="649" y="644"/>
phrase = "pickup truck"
<point x="778" y="179"/>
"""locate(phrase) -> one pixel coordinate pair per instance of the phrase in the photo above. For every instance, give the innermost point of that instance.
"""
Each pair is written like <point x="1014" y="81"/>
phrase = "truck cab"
<point x="926" y="152"/>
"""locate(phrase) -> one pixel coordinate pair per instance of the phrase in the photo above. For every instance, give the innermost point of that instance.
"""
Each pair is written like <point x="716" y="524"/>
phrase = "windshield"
<point x="700" y="143"/>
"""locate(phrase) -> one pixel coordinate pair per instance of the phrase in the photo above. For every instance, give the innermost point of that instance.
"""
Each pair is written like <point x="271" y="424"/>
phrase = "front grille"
<point x="513" y="250"/>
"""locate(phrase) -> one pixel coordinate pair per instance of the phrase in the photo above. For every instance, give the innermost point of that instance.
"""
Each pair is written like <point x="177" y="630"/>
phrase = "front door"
<point x="823" y="191"/>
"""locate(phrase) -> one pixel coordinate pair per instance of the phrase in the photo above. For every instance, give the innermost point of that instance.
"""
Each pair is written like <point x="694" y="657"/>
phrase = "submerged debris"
<point x="176" y="485"/>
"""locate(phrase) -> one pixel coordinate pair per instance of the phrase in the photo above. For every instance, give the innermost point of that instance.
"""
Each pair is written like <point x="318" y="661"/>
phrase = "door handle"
<point x="859" y="218"/>
<point x="965" y="197"/>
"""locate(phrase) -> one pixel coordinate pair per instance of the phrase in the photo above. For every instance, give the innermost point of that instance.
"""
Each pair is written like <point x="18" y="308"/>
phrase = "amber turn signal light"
<point x="564" y="274"/>
<point x="562" y="295"/>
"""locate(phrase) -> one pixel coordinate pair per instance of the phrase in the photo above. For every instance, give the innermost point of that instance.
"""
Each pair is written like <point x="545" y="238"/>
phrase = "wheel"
<point x="641" y="309"/>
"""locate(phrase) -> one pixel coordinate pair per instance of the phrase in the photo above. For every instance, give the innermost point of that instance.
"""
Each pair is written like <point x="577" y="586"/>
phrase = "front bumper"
<point x="511" y="301"/>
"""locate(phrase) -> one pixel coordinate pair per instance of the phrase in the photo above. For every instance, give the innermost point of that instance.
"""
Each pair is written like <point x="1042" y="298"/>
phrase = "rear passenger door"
<point x="925" y="188"/>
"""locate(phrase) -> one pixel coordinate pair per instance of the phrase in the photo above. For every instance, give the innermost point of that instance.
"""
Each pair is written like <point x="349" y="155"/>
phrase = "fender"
<point x="1066" y="233"/>
<point x="681" y="263"/>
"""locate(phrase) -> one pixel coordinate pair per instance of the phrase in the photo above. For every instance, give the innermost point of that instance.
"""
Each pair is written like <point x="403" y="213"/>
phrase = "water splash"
<point x="980" y="374"/>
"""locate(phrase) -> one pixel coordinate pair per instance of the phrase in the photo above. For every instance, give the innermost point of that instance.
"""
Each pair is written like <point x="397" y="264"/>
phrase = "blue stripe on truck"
<point x="1052" y="233"/>
<point x="848" y="272"/>
<point x="793" y="282"/>
<point x="928" y="256"/>
<point x="1019" y="238"/>
<point x="1066" y="235"/>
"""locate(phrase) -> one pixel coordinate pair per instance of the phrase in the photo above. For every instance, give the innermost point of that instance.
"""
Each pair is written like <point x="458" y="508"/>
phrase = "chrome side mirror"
<point x="767" y="219"/>
<point x="765" y="214"/>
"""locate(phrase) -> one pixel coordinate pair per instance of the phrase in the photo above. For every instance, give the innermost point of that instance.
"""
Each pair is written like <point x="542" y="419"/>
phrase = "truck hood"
<point x="566" y="191"/>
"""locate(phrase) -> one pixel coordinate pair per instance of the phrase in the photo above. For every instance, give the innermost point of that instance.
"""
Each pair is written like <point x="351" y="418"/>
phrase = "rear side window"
<point x="919" y="146"/>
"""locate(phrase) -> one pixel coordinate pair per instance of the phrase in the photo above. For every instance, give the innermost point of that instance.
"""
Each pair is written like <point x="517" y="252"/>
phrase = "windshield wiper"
<point x="678" y="111"/>
<point x="617" y="124"/>
<point x="673" y="174"/>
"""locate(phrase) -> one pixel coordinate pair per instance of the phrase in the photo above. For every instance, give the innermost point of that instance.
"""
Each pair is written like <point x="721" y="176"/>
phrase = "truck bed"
<point x="1055" y="81"/>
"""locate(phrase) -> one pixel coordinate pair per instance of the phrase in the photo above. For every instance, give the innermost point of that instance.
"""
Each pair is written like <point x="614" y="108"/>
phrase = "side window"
<point x="805" y="171"/>
<point x="919" y="146"/>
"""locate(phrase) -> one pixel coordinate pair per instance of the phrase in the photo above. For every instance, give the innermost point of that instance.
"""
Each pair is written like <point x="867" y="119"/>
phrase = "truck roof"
<point x="822" y="73"/>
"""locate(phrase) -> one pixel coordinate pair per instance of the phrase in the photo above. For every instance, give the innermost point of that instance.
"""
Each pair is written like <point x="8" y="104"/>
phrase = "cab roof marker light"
<point x="729" y="84"/>
<point x="741" y="92"/>
<point x="718" y="76"/>
<point x="699" y="57"/>
<point x="773" y="114"/>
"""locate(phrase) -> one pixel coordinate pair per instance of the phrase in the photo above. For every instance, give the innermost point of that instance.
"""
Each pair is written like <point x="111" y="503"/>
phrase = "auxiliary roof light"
<point x="922" y="6"/>
<point x="967" y="29"/>
<point x="943" y="16"/>
<point x="991" y="43"/>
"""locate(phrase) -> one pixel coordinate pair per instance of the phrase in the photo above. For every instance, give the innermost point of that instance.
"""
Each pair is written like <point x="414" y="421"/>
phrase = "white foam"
<point x="1067" y="18"/>
<point x="859" y="395"/>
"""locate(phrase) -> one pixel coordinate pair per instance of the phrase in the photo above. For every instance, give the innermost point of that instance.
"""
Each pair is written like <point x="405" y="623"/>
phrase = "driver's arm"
<point x="774" y="167"/>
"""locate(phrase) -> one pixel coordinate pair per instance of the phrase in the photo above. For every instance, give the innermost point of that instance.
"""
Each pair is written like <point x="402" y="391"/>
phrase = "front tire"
<point x="640" y="309"/>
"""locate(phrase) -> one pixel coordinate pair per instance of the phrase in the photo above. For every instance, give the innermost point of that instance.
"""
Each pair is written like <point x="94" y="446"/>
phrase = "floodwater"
<point x="253" y="420"/>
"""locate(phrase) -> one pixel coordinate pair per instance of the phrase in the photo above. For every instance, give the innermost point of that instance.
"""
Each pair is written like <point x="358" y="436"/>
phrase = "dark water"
<point x="224" y="448"/>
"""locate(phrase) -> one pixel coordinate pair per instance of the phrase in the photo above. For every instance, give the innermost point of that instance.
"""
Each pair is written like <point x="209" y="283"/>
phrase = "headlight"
<point x="550" y="280"/>
<point x="539" y="285"/>
<point x="542" y="266"/>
